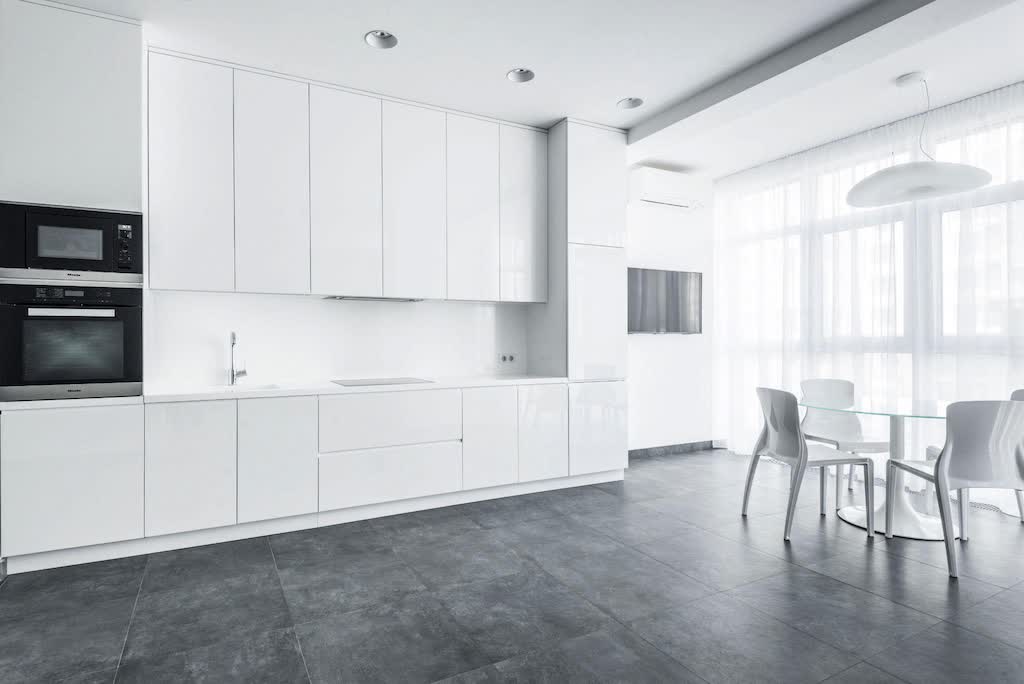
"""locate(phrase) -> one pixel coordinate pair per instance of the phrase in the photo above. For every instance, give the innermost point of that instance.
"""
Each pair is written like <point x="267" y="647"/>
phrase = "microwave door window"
<point x="59" y="352"/>
<point x="62" y="242"/>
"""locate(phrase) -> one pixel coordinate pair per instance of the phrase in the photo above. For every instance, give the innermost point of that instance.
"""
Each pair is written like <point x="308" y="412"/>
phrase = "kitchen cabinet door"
<point x="524" y="215"/>
<point x="490" y="436"/>
<point x="276" y="457"/>
<point x="70" y="477"/>
<point x="271" y="184"/>
<point x="543" y="432"/>
<point x="597" y="427"/>
<point x="191" y="175"/>
<point x="377" y="419"/>
<point x="597" y="186"/>
<point x="414" y="198"/>
<point x="346" y="234"/>
<point x="191" y="474"/>
<point x="472" y="238"/>
<point x="597" y="313"/>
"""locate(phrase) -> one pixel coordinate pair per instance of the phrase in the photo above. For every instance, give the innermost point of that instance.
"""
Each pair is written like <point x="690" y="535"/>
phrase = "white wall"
<point x="294" y="338"/>
<point x="670" y="375"/>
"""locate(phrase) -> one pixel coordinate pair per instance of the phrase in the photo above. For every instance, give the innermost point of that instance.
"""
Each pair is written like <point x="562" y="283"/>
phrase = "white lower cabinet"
<point x="369" y="476"/>
<point x="597" y="427"/>
<point x="277" y="458"/>
<point x="490" y="436"/>
<point x="378" y="419"/>
<point x="191" y="475"/>
<point x="543" y="432"/>
<point x="70" y="477"/>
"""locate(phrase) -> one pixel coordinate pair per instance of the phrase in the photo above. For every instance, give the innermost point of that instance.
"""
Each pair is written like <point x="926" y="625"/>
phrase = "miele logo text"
<point x="74" y="275"/>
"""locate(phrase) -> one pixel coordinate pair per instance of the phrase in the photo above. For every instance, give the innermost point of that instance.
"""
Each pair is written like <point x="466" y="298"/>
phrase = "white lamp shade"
<point x="916" y="181"/>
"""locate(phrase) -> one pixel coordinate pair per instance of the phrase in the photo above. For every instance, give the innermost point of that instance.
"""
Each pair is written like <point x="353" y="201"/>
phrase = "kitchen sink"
<point x="367" y="382"/>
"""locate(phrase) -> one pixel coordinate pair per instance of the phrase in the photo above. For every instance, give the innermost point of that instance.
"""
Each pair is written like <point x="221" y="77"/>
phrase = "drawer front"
<point x="358" y="478"/>
<point x="380" y="419"/>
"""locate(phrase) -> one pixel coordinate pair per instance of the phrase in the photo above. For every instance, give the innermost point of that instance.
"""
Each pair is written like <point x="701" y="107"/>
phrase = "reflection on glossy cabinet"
<point x="543" y="432"/>
<point x="271" y="184"/>
<point x="472" y="208"/>
<point x="277" y="460"/>
<point x="597" y="186"/>
<point x="597" y="312"/>
<point x="70" y="477"/>
<point x="524" y="215"/>
<point x="190" y="466"/>
<point x="597" y="427"/>
<point x="191" y="184"/>
<point x="489" y="436"/>
<point x="414" y="198"/>
<point x="346" y="238"/>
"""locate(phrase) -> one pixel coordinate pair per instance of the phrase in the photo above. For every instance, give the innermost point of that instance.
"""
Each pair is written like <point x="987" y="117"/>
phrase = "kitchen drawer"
<point x="379" y="419"/>
<point x="358" y="478"/>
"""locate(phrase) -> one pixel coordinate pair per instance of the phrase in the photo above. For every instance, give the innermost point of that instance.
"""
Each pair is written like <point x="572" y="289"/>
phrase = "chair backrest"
<point x="984" y="445"/>
<point x="1018" y="395"/>
<point x="783" y="438"/>
<point x="838" y="425"/>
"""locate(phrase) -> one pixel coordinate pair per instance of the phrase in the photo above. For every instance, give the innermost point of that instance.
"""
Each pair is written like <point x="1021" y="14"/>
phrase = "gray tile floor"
<point x="653" y="579"/>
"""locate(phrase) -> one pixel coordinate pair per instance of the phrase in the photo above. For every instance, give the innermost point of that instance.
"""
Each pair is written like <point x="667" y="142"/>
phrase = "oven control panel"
<point x="73" y="295"/>
<point x="124" y="246"/>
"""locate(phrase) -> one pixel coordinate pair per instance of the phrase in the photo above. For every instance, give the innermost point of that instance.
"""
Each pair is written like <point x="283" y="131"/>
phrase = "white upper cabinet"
<point x="346" y="237"/>
<point x="597" y="312"/>
<point x="191" y="211"/>
<point x="472" y="187"/>
<point x="597" y="427"/>
<point x="71" y="112"/>
<point x="597" y="186"/>
<point x="414" y="201"/>
<point x="271" y="184"/>
<point x="524" y="215"/>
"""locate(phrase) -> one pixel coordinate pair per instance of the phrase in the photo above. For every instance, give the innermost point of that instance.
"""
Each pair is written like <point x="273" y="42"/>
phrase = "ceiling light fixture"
<point x="519" y="75"/>
<point x="629" y="103"/>
<point x="919" y="180"/>
<point x="381" y="39"/>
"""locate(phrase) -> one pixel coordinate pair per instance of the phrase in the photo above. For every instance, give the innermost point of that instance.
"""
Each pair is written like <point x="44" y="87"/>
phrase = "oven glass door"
<point x="72" y="346"/>
<point x="69" y="243"/>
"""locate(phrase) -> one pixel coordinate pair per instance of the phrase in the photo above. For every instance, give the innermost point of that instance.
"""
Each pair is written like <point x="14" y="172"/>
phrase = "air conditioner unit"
<point x="658" y="186"/>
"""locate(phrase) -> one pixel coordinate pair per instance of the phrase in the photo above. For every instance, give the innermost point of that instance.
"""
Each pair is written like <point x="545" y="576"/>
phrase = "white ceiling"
<point x="587" y="54"/>
<point x="979" y="55"/>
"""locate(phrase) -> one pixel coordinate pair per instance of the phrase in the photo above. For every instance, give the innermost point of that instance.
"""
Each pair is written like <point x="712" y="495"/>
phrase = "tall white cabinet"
<point x="191" y="175"/>
<point x="271" y="184"/>
<point x="346" y="193"/>
<point x="523" y="200"/>
<point x="414" y="202"/>
<point x="596" y="312"/>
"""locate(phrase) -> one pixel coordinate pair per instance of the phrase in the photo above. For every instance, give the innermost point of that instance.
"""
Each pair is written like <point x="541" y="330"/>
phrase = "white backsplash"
<point x="284" y="338"/>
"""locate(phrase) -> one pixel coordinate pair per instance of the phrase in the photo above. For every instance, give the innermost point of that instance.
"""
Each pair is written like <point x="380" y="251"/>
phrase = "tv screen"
<point x="664" y="301"/>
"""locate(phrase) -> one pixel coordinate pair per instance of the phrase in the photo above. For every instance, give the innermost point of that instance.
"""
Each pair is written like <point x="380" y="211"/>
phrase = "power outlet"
<point x="508" y="358"/>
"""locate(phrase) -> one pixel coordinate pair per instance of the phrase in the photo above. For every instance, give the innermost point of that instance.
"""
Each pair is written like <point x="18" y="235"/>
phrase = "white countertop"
<point x="254" y="389"/>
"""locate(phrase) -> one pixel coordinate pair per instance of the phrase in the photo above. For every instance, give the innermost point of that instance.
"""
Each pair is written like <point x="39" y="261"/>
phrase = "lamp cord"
<point x="924" y="118"/>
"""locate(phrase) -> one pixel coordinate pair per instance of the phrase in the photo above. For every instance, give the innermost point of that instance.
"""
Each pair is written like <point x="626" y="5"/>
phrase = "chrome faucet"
<point x="235" y="372"/>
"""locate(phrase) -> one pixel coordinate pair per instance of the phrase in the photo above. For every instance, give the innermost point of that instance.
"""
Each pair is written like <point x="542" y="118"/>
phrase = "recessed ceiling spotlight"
<point x="519" y="75"/>
<point x="630" y="103"/>
<point x="381" y="39"/>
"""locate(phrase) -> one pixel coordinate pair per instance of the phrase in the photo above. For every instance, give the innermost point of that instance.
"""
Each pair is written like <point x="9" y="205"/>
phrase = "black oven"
<point x="65" y="342"/>
<point x="62" y="243"/>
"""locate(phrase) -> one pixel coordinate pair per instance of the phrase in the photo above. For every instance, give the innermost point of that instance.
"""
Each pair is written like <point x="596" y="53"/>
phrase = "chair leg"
<point x="822" y="482"/>
<point x="795" y="481"/>
<point x="964" y="496"/>
<point x="1020" y="504"/>
<point x="839" y="485"/>
<point x="946" y="513"/>
<point x="869" y="499"/>
<point x="890" y="488"/>
<point x="750" y="481"/>
<point x="849" y="478"/>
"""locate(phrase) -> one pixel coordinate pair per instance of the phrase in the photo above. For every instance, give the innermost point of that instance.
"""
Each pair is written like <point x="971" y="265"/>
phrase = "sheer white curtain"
<point x="921" y="300"/>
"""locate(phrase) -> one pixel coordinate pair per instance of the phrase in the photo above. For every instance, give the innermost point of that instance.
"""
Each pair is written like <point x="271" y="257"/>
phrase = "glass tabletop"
<point x="934" y="409"/>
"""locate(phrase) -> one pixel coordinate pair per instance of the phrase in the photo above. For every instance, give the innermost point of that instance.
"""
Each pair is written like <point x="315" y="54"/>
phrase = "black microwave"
<point x="64" y="243"/>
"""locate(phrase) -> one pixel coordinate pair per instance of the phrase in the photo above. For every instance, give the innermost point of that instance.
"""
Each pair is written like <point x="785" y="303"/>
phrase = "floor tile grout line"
<point x="295" y="632"/>
<point x="131" y="618"/>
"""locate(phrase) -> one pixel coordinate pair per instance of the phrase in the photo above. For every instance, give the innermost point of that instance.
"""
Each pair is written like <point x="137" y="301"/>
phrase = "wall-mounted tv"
<point x="664" y="301"/>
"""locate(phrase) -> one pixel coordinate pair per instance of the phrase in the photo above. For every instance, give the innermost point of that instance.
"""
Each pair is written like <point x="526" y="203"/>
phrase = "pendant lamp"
<point x="917" y="180"/>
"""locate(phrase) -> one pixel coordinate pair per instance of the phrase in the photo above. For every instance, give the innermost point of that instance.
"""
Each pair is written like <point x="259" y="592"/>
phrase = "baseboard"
<point x="686" y="448"/>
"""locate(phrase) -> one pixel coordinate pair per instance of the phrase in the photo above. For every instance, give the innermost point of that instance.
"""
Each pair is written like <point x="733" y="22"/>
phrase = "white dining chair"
<point x="839" y="429"/>
<point x="782" y="439"/>
<point x="932" y="453"/>
<point x="984" y="449"/>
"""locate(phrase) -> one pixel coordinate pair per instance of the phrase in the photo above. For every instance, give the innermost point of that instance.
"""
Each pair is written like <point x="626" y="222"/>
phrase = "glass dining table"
<point x="908" y="521"/>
